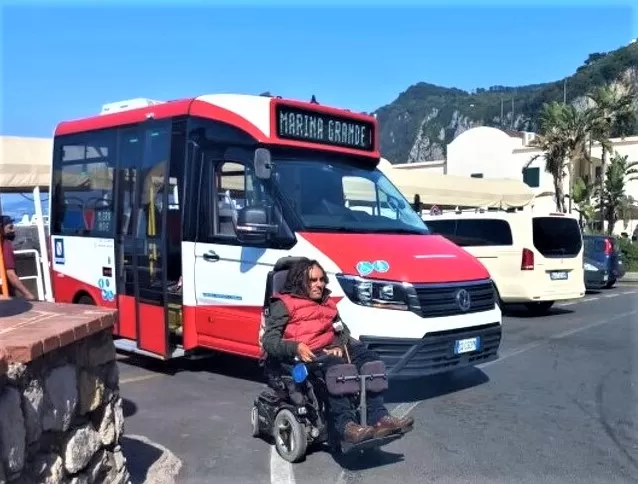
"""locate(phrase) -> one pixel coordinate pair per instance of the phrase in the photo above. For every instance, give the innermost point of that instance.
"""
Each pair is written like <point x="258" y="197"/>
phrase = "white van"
<point x="534" y="259"/>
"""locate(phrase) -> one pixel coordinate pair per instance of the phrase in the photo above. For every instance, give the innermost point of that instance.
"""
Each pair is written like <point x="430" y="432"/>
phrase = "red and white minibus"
<point x="174" y="213"/>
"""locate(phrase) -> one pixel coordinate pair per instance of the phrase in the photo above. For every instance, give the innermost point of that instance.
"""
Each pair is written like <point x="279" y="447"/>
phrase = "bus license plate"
<point x="466" y="345"/>
<point x="558" y="275"/>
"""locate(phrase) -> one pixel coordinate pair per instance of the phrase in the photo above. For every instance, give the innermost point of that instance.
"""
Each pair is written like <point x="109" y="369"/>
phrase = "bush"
<point x="629" y="253"/>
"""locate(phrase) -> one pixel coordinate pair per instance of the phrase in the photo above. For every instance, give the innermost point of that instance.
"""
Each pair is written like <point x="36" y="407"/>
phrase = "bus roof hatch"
<point x="128" y="104"/>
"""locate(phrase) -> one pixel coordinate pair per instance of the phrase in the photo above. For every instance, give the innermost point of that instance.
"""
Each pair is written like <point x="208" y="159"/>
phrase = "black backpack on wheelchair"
<point x="294" y="410"/>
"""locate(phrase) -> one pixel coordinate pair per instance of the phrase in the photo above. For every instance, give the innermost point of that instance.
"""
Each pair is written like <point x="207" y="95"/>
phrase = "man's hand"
<point x="305" y="353"/>
<point x="338" y="352"/>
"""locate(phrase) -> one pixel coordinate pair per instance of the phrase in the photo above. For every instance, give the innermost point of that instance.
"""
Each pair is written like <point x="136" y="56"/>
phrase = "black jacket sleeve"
<point x="272" y="339"/>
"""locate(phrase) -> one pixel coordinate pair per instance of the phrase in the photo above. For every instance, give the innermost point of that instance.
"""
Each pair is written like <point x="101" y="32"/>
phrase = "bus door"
<point x="140" y="247"/>
<point x="230" y="278"/>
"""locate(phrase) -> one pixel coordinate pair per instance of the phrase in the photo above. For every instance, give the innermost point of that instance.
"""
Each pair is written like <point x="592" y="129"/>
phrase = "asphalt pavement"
<point x="560" y="405"/>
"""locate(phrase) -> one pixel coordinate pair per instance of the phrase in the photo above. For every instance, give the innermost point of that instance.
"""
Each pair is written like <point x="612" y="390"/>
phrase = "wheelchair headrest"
<point x="280" y="272"/>
<point x="286" y="263"/>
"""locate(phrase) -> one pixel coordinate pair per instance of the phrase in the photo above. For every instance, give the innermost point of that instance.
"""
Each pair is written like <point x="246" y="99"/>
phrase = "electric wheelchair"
<point x="294" y="409"/>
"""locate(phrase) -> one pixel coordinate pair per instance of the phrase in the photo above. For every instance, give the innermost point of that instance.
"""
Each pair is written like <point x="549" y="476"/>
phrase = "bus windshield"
<point x="340" y="194"/>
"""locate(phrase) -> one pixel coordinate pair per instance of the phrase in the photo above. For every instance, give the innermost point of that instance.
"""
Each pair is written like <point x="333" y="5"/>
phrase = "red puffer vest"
<point x="309" y="322"/>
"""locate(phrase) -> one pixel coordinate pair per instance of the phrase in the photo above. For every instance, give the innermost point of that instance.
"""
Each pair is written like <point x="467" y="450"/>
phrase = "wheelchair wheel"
<point x="254" y="421"/>
<point x="290" y="436"/>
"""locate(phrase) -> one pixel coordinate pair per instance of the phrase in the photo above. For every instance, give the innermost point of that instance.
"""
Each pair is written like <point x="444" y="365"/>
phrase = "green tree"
<point x="563" y="139"/>
<point x="613" y="114"/>
<point x="582" y="194"/>
<point x="614" y="202"/>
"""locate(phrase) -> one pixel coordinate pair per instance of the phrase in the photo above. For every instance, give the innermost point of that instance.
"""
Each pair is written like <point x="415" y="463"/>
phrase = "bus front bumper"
<point x="437" y="352"/>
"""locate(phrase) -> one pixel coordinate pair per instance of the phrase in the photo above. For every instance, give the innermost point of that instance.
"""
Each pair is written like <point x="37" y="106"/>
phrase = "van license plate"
<point x="467" y="345"/>
<point x="558" y="275"/>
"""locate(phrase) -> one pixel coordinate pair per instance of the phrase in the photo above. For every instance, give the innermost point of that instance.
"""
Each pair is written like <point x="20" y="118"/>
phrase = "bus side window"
<point x="83" y="181"/>
<point x="230" y="180"/>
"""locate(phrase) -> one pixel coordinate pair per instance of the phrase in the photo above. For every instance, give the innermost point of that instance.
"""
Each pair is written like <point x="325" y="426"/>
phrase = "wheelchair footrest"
<point x="347" y="447"/>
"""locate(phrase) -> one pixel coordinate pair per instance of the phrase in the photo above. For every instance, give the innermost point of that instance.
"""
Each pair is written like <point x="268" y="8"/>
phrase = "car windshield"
<point x="340" y="194"/>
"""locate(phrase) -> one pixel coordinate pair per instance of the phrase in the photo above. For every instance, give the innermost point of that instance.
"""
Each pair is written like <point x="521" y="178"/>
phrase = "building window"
<point x="477" y="175"/>
<point x="531" y="177"/>
<point x="599" y="172"/>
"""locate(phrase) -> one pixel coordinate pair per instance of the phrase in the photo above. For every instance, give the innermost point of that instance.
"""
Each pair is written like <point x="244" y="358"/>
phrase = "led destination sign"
<point x="311" y="126"/>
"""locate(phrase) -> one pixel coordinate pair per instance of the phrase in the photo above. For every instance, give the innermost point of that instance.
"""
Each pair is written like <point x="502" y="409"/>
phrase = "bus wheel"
<point x="85" y="299"/>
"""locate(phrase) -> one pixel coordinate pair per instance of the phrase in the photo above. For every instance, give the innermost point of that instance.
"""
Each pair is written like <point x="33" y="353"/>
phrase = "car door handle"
<point x="211" y="256"/>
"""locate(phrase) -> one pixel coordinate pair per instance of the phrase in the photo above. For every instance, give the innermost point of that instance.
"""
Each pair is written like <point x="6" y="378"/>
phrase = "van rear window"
<point x="473" y="232"/>
<point x="557" y="236"/>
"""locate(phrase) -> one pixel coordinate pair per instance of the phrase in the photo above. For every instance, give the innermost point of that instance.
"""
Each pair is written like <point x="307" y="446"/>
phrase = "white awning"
<point x="453" y="190"/>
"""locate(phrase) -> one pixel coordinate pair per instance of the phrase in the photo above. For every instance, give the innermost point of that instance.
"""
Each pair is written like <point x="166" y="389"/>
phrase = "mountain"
<point x="419" y="124"/>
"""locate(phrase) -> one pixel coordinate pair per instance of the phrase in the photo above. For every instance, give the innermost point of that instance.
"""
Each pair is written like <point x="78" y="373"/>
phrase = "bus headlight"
<point x="378" y="294"/>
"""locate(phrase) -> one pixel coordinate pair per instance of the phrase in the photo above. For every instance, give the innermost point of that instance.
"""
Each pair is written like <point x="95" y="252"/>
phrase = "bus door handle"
<point x="211" y="256"/>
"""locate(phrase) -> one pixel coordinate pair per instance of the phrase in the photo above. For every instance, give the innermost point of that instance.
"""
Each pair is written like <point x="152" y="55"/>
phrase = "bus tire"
<point x="85" y="299"/>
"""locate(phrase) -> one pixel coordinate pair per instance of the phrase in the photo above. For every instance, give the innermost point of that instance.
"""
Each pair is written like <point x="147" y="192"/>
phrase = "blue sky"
<point x="65" y="62"/>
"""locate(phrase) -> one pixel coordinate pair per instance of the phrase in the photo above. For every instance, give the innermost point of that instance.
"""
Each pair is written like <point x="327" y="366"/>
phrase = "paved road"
<point x="561" y="405"/>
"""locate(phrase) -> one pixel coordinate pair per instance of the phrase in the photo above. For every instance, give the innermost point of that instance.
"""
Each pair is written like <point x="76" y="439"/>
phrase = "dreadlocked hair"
<point x="297" y="280"/>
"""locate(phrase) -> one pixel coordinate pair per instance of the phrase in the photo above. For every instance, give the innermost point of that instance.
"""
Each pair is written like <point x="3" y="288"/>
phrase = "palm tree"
<point x="582" y="194"/>
<point x="615" y="202"/>
<point x="563" y="140"/>
<point x="613" y="114"/>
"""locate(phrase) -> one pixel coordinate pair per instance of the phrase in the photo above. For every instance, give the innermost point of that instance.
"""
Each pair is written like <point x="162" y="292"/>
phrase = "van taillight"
<point x="527" y="261"/>
<point x="609" y="248"/>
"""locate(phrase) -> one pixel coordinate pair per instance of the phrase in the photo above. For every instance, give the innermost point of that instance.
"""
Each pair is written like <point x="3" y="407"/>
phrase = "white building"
<point x="485" y="152"/>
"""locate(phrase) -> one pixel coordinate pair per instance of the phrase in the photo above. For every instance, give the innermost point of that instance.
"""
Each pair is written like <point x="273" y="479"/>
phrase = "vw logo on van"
<point x="463" y="299"/>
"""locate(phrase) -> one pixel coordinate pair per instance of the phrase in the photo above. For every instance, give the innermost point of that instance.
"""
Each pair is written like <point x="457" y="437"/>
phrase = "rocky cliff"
<point x="419" y="124"/>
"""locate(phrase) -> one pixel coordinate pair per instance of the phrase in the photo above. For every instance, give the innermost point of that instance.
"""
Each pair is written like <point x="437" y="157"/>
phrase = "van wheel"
<point x="539" y="308"/>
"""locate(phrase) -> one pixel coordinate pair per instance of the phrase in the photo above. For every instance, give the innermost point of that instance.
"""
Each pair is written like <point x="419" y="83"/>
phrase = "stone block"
<point x="48" y="469"/>
<point x="80" y="447"/>
<point x="91" y="390"/>
<point x="62" y="398"/>
<point x="12" y="431"/>
<point x="106" y="428"/>
<point x="118" y="414"/>
<point x="33" y="406"/>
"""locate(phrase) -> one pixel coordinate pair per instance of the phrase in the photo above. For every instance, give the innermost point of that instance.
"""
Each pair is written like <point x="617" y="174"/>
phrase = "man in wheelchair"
<point x="303" y="322"/>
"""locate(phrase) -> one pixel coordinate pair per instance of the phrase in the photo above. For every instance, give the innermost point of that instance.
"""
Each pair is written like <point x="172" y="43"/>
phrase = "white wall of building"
<point x="495" y="153"/>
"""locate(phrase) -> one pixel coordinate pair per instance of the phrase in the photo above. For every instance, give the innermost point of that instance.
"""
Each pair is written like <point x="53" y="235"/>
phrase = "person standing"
<point x="8" y="236"/>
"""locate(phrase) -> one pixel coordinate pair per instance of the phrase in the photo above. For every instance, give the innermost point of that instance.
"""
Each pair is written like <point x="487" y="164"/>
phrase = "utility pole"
<point x="512" y="121"/>
<point x="501" y="112"/>
<point x="565" y="91"/>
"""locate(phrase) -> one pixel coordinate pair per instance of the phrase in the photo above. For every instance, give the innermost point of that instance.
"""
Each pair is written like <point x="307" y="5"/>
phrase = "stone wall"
<point x="60" y="408"/>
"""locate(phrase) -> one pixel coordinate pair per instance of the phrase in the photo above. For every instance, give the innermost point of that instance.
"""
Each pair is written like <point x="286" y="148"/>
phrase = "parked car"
<point x="602" y="261"/>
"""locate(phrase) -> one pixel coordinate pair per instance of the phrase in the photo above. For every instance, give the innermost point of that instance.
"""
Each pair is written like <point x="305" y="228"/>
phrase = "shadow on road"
<point x="140" y="457"/>
<point x="520" y="311"/>
<point x="129" y="408"/>
<point x="148" y="462"/>
<point x="424" y="388"/>
<point x="218" y="363"/>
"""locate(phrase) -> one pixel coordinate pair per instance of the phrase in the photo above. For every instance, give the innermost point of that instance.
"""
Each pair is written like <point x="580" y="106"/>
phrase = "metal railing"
<point x="39" y="280"/>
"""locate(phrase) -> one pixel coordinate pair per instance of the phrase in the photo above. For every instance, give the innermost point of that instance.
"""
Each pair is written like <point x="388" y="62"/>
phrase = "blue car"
<point x="602" y="261"/>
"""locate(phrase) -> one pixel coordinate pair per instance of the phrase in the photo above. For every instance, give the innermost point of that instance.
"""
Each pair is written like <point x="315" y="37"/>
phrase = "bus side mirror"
<point x="252" y="225"/>
<point x="262" y="163"/>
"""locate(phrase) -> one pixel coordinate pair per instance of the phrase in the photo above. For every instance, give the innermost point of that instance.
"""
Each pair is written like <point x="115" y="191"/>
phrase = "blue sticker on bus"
<point x="58" y="251"/>
<point x="365" y="268"/>
<point x="381" y="266"/>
